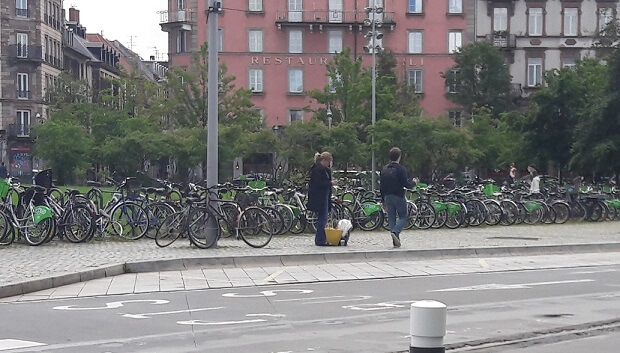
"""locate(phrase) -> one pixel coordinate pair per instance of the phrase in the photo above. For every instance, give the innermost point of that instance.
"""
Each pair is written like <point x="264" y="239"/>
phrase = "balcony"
<point x="21" y="12"/>
<point x="177" y="18"/>
<point x="506" y="41"/>
<point x="329" y="18"/>
<point x="19" y="131"/>
<point x="26" y="53"/>
<point x="22" y="94"/>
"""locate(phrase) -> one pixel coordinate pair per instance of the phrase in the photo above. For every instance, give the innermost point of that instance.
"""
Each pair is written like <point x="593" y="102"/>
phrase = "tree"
<point x="481" y="79"/>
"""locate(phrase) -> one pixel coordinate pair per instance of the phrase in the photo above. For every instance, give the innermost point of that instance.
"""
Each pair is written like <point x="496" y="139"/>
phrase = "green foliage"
<point x="481" y="79"/>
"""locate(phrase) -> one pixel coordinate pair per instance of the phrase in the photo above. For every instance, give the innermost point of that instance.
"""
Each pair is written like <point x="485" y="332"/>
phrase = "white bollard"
<point x="427" y="326"/>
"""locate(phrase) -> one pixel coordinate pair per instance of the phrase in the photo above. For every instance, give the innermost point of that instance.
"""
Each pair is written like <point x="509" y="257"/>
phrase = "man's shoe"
<point x="395" y="240"/>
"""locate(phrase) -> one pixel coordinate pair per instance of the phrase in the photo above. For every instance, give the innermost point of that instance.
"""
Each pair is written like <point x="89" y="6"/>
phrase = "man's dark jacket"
<point x="397" y="181"/>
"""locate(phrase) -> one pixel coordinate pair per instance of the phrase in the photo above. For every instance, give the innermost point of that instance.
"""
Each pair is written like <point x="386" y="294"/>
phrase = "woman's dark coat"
<point x="319" y="188"/>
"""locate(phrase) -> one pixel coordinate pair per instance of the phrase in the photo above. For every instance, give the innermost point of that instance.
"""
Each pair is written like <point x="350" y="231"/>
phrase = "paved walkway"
<point x="21" y="262"/>
<point x="206" y="278"/>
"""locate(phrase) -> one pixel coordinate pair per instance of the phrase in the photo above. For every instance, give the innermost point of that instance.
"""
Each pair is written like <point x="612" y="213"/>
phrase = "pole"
<point x="374" y="95"/>
<point x="427" y="326"/>
<point x="212" y="119"/>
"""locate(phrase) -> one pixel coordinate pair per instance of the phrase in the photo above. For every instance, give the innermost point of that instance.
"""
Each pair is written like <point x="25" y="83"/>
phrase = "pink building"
<point x="280" y="48"/>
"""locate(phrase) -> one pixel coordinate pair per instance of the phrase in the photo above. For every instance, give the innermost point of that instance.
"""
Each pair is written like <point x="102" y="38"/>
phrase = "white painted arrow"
<point x="267" y="293"/>
<point x="113" y="305"/>
<point x="226" y="323"/>
<point x="495" y="286"/>
<point x="149" y="315"/>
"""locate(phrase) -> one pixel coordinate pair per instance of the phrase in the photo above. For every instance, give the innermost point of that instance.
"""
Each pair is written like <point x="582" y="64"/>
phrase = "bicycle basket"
<point x="245" y="199"/>
<point x="4" y="188"/>
<point x="490" y="189"/>
<point x="132" y="186"/>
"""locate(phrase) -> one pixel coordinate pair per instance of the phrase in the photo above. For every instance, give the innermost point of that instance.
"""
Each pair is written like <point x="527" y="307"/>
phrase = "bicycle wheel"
<point x="170" y="229"/>
<point x="577" y="211"/>
<point x="548" y="214"/>
<point x="57" y="195"/>
<point x="76" y="224"/>
<point x="157" y="212"/>
<point x="204" y="229"/>
<point x="133" y="219"/>
<point x="457" y="218"/>
<point x="426" y="215"/>
<point x="369" y="222"/>
<point x="531" y="217"/>
<point x="510" y="212"/>
<point x="230" y="216"/>
<point x="494" y="214"/>
<point x="412" y="215"/>
<point x="278" y="219"/>
<point x="288" y="215"/>
<point x="255" y="227"/>
<point x="476" y="212"/>
<point x="562" y="212"/>
<point x="37" y="234"/>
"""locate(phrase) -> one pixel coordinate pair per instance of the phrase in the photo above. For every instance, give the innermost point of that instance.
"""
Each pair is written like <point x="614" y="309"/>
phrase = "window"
<point x="255" y="40"/>
<point x="451" y="82"/>
<point x="295" y="115"/>
<point x="21" y="8"/>
<point x="335" y="41"/>
<point x="256" y="80"/>
<point x="571" y="21"/>
<point x="454" y="41"/>
<point x="181" y="42"/>
<point x="22" y="45"/>
<point x="455" y="6"/>
<point x="415" y="42"/>
<point x="295" y="42"/>
<point x="605" y="16"/>
<point x="455" y="118"/>
<point x="415" y="6"/>
<point x="22" y="86"/>
<point x="414" y="78"/>
<point x="295" y="81"/>
<point x="220" y="39"/>
<point x="295" y="10"/>
<point x="534" y="72"/>
<point x="255" y="5"/>
<point x="180" y="4"/>
<point x="569" y="63"/>
<point x="500" y="19"/>
<point x="23" y="122"/>
<point x="535" y="23"/>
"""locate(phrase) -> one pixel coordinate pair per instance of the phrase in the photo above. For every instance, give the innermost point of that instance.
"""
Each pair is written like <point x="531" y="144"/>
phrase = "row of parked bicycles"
<point x="254" y="213"/>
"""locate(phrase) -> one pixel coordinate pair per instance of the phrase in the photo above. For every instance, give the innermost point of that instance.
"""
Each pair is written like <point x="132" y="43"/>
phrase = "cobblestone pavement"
<point x="207" y="278"/>
<point x="21" y="262"/>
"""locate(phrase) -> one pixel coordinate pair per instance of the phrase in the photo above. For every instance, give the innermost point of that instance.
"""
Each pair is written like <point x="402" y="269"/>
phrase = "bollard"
<point x="427" y="326"/>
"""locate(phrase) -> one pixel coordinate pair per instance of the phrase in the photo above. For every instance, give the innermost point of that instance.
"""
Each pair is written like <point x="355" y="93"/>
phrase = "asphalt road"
<point x="354" y="316"/>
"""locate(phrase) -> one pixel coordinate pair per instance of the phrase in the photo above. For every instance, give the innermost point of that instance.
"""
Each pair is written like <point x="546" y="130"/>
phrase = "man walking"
<point x="393" y="184"/>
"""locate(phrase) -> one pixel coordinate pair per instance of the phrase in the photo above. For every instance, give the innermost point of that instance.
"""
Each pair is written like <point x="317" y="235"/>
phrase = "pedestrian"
<point x="535" y="185"/>
<point x="320" y="193"/>
<point x="3" y="172"/>
<point x="512" y="174"/>
<point x="393" y="183"/>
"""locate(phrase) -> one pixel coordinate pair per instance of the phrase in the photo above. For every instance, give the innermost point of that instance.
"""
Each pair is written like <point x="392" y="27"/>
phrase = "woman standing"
<point x="320" y="192"/>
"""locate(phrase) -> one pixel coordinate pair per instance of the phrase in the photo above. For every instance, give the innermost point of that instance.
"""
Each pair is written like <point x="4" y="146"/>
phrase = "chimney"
<point x="74" y="15"/>
<point x="152" y="57"/>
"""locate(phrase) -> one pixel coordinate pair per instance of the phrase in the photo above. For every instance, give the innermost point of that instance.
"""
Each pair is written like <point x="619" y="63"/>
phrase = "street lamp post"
<point x="329" y="116"/>
<point x="373" y="47"/>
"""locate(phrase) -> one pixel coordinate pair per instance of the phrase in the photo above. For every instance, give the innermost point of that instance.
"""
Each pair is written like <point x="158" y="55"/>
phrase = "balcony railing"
<point x="502" y="40"/>
<point x="176" y="16"/>
<point x="23" y="94"/>
<point x="19" y="130"/>
<point x="22" y="52"/>
<point x="21" y="12"/>
<point x="330" y="17"/>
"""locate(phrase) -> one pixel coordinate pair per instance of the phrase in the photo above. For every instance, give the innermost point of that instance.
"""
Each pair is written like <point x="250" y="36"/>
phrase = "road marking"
<point x="272" y="277"/>
<point x="149" y="315"/>
<point x="113" y="305"/>
<point x="237" y="322"/>
<point x="495" y="286"/>
<point x="593" y="271"/>
<point x="267" y="293"/>
<point x="484" y="264"/>
<point x="7" y="344"/>
<point x="323" y="300"/>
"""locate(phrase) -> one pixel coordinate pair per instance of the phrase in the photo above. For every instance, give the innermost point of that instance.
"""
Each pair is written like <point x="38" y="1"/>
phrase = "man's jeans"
<point x="320" y="237"/>
<point x="396" y="205"/>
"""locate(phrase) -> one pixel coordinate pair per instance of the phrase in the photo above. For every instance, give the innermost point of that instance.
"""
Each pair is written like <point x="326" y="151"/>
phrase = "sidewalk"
<point x="27" y="269"/>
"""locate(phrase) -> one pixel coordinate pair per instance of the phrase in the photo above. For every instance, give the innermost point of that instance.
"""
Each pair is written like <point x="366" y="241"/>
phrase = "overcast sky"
<point x="124" y="19"/>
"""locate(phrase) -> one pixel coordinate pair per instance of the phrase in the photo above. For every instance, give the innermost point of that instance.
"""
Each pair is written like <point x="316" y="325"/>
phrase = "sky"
<point x="127" y="21"/>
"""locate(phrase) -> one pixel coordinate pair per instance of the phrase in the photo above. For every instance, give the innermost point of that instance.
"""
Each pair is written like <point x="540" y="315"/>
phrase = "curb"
<point x="37" y="284"/>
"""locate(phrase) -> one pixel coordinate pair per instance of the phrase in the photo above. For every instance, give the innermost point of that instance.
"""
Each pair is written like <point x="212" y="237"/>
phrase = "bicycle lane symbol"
<point x="112" y="305"/>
